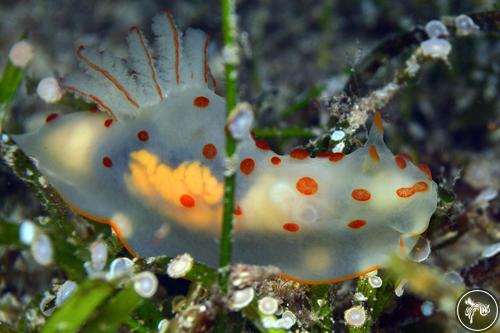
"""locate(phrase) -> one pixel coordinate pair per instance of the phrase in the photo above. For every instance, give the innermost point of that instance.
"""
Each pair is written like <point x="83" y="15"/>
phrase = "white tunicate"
<point x="98" y="255"/>
<point x="290" y="315"/>
<point x="145" y="284"/>
<point x="355" y="316"/>
<point x="66" y="290"/>
<point x="338" y="147"/>
<point x="358" y="296"/>
<point x="285" y="323"/>
<point x="486" y="195"/>
<point x="453" y="278"/>
<point x="240" y="124"/>
<point x="436" y="28"/>
<point x="427" y="308"/>
<point x="337" y="135"/>
<point x="27" y="232"/>
<point x="120" y="267"/>
<point x="241" y="298"/>
<point x="45" y="306"/>
<point x="268" y="305"/>
<point x="491" y="250"/>
<point x="436" y="48"/>
<point x="375" y="281"/>
<point x="49" y="90"/>
<point x="179" y="266"/>
<point x="465" y="25"/>
<point x="163" y="325"/>
<point x="400" y="288"/>
<point x="41" y="249"/>
<point x="421" y="250"/>
<point x="21" y="53"/>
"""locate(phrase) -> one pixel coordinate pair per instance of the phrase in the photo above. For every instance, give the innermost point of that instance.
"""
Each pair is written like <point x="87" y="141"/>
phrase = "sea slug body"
<point x="151" y="166"/>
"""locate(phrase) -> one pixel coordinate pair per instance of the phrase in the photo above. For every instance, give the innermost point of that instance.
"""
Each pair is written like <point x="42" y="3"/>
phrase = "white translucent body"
<point x="142" y="194"/>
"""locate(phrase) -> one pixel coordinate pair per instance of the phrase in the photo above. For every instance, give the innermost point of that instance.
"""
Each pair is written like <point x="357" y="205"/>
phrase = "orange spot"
<point x="357" y="224"/>
<point x="107" y="162"/>
<point x="335" y="157"/>
<point x="340" y="279"/>
<point x="400" y="161"/>
<point x="108" y="122"/>
<point x="401" y="244"/>
<point x="425" y="169"/>
<point x="275" y="160"/>
<point x="209" y="151"/>
<point x="361" y="194"/>
<point x="247" y="166"/>
<point x="374" y="153"/>
<point x="262" y="145"/>
<point x="406" y="192"/>
<point x="299" y="154"/>
<point x="187" y="201"/>
<point x="406" y="157"/>
<point x="324" y="154"/>
<point x="143" y="135"/>
<point x="377" y="120"/>
<point x="201" y="102"/>
<point x="237" y="210"/>
<point x="291" y="227"/>
<point x="307" y="186"/>
<point x="51" y="117"/>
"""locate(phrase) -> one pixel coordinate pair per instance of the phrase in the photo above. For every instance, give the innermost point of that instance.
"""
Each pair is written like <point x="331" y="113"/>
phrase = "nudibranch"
<point x="151" y="166"/>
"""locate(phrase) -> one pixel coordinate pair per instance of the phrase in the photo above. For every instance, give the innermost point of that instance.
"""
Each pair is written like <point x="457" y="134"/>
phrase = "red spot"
<point x="107" y="162"/>
<point x="425" y="169"/>
<point x="51" y="117"/>
<point x="356" y="224"/>
<point x="307" y="186"/>
<point x="406" y="192"/>
<point x="262" y="145"/>
<point x="360" y="194"/>
<point x="108" y="122"/>
<point x="143" y="135"/>
<point x="406" y="157"/>
<point x="209" y="151"/>
<point x="187" y="201"/>
<point x="275" y="160"/>
<point x="335" y="157"/>
<point x="400" y="161"/>
<point x="201" y="102"/>
<point x="374" y="153"/>
<point x="291" y="227"/>
<point x="247" y="166"/>
<point x="299" y="154"/>
<point x="94" y="110"/>
<point x="237" y="210"/>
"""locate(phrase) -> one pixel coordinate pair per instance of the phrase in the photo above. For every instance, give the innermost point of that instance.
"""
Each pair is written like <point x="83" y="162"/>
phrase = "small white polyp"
<point x="21" y="53"/>
<point x="49" y="90"/>
<point x="145" y="284"/>
<point x="65" y="291"/>
<point x="179" y="266"/>
<point x="41" y="250"/>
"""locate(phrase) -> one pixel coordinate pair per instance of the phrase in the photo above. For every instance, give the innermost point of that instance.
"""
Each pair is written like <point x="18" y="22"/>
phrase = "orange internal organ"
<point x="406" y="192"/>
<point x="374" y="153"/>
<point x="360" y="194"/>
<point x="307" y="186"/>
<point x="190" y="194"/>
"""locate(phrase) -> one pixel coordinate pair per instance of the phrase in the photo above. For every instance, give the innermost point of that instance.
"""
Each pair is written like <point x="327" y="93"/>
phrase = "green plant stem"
<point x="230" y="32"/>
<point x="292" y="132"/>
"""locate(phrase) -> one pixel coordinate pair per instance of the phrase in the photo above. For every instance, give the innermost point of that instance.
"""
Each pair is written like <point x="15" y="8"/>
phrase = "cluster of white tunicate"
<point x="179" y="266"/>
<point x="21" y="53"/>
<point x="465" y="25"/>
<point x="120" y="267"/>
<point x="355" y="316"/>
<point x="287" y="320"/>
<point x="268" y="305"/>
<point x="436" y="47"/>
<point x="145" y="284"/>
<point x="241" y="298"/>
<point x="65" y="291"/>
<point x="49" y="90"/>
